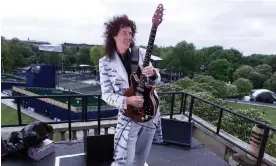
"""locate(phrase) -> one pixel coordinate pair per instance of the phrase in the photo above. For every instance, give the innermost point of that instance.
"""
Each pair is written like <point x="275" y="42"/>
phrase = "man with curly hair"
<point x="133" y="140"/>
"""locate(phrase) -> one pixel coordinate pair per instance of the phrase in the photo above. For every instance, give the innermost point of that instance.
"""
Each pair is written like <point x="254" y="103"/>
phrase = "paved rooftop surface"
<point x="161" y="155"/>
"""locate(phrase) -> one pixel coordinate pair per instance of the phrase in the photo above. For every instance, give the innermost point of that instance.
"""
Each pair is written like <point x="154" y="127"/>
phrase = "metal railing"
<point x="266" y="127"/>
<point x="183" y="105"/>
<point x="69" y="98"/>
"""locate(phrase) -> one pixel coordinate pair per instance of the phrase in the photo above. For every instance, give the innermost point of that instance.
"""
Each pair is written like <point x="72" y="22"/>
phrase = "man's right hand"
<point x="136" y="101"/>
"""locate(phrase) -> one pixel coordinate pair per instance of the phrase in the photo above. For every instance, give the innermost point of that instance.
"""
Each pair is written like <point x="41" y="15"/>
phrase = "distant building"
<point x="77" y="45"/>
<point x="35" y="42"/>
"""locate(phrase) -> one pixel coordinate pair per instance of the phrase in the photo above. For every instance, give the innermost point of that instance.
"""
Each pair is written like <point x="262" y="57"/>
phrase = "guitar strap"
<point x="135" y="60"/>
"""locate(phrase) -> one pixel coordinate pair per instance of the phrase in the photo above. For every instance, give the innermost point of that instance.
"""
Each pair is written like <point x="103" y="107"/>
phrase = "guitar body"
<point x="149" y="108"/>
<point x="139" y="85"/>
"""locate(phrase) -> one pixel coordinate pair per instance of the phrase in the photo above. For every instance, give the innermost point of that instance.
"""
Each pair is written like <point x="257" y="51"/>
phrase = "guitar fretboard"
<point x="149" y="47"/>
<point x="143" y="79"/>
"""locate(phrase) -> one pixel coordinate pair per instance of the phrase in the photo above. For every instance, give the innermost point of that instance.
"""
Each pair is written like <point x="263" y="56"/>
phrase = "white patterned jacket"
<point x="114" y="78"/>
<point x="114" y="82"/>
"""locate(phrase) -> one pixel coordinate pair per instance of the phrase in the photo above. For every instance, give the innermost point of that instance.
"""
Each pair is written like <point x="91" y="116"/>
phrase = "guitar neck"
<point x="143" y="79"/>
<point x="150" y="46"/>
<point x="156" y="20"/>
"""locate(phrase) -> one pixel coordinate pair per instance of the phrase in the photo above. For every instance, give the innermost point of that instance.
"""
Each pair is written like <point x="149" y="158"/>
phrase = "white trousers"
<point x="140" y="140"/>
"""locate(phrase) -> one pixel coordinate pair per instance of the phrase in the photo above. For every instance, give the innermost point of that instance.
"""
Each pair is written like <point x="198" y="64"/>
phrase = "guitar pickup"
<point x="135" y="111"/>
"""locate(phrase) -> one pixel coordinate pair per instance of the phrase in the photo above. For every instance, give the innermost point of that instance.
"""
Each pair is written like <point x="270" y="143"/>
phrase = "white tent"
<point x="155" y="58"/>
<point x="84" y="65"/>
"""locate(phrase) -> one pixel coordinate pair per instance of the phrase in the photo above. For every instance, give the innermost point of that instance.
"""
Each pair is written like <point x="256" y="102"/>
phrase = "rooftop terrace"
<point x="160" y="155"/>
<point x="210" y="146"/>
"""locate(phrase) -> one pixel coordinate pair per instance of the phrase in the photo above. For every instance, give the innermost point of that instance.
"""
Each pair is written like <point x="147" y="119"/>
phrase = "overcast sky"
<point x="247" y="25"/>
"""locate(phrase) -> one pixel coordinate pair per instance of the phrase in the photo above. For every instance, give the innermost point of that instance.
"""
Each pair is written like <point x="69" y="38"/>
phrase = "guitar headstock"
<point x="158" y="16"/>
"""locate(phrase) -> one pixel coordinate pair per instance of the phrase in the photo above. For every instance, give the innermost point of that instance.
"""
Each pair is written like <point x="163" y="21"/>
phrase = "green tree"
<point x="257" y="79"/>
<point x="271" y="83"/>
<point x="241" y="128"/>
<point x="156" y="51"/>
<point x="271" y="60"/>
<point x="96" y="53"/>
<point x="264" y="69"/>
<point x="165" y="106"/>
<point x="6" y="57"/>
<point x="205" y="54"/>
<point x="183" y="58"/>
<point x="243" y="72"/>
<point x="231" y="90"/>
<point x="219" y="69"/>
<point x="83" y="56"/>
<point x="244" y="86"/>
<point x="203" y="110"/>
<point x="184" y="83"/>
<point x="52" y="58"/>
<point x="253" y="60"/>
<point x="231" y="55"/>
<point x="69" y="60"/>
<point x="203" y="79"/>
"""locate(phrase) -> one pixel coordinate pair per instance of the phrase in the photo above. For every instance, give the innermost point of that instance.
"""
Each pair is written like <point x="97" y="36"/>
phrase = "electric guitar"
<point x="139" y="85"/>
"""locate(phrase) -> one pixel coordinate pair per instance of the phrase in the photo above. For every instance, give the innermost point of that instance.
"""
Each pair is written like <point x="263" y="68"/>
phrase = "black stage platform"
<point x="67" y="154"/>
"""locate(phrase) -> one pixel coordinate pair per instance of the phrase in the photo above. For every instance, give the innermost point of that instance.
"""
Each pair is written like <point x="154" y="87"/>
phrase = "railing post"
<point x="82" y="109"/>
<point x="172" y="105"/>
<point x="181" y="105"/>
<point x="99" y="115"/>
<point x="219" y="120"/>
<point x="191" y="108"/>
<point x="185" y="103"/>
<point x="85" y="109"/>
<point x="69" y="117"/>
<point x="19" y="112"/>
<point x="263" y="146"/>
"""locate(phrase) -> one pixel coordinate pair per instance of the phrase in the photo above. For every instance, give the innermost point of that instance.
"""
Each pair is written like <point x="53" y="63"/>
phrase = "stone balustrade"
<point x="218" y="145"/>
<point x="78" y="128"/>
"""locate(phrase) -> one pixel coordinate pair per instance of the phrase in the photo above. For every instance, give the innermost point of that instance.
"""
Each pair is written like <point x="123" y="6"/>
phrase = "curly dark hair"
<point x="112" y="28"/>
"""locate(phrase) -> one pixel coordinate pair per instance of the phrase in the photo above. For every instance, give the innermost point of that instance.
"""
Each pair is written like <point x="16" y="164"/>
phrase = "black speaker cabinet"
<point x="176" y="132"/>
<point x="98" y="149"/>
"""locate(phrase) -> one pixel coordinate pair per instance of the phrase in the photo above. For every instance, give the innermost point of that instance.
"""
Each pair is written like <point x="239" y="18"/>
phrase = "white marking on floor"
<point x="57" y="160"/>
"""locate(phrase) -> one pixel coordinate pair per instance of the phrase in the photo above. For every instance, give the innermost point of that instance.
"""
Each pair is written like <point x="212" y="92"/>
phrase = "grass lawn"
<point x="268" y="111"/>
<point x="9" y="116"/>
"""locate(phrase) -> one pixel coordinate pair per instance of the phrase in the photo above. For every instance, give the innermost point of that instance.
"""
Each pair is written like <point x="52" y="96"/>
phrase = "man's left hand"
<point x="149" y="71"/>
